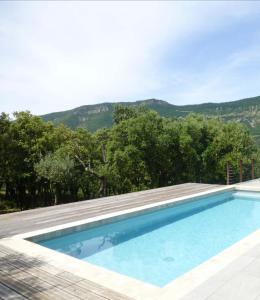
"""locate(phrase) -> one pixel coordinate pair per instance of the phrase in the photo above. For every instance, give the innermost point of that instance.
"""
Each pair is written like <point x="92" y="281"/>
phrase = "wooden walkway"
<point x="24" y="277"/>
<point x="34" y="219"/>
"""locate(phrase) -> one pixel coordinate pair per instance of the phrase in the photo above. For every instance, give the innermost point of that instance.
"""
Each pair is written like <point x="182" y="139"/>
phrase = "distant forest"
<point x="42" y="165"/>
<point x="93" y="117"/>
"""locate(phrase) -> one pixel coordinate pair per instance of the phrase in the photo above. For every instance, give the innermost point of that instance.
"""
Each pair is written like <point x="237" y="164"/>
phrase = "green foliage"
<point x="124" y="112"/>
<point x="41" y="164"/>
<point x="93" y="117"/>
<point x="57" y="168"/>
<point x="5" y="124"/>
<point x="232" y="143"/>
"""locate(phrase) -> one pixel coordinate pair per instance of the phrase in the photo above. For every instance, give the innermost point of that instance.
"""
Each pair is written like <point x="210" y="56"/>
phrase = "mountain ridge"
<point x="95" y="116"/>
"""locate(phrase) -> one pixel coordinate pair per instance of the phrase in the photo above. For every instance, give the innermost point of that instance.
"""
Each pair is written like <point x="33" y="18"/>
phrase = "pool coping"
<point x="123" y="284"/>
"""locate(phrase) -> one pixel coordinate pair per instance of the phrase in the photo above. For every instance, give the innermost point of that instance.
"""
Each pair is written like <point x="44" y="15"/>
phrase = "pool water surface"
<point x="159" y="246"/>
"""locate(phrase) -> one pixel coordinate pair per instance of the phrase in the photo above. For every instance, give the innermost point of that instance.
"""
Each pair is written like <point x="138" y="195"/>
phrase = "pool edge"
<point x="131" y="287"/>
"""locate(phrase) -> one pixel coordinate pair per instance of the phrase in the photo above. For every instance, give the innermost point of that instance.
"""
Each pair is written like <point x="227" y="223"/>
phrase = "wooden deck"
<point x="24" y="277"/>
<point x="34" y="219"/>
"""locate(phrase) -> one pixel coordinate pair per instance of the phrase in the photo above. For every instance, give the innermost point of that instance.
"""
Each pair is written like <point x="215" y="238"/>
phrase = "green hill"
<point x="96" y="116"/>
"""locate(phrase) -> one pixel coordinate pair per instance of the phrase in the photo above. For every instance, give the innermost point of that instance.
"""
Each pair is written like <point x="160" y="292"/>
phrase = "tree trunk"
<point x="55" y="198"/>
<point x="103" y="187"/>
<point x="21" y="197"/>
<point x="55" y="190"/>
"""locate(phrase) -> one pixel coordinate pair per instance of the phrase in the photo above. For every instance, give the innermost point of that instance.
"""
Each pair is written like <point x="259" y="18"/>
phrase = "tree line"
<point x="41" y="164"/>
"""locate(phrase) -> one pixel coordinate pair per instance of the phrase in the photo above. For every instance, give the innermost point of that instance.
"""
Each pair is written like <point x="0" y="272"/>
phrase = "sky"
<point x="59" y="55"/>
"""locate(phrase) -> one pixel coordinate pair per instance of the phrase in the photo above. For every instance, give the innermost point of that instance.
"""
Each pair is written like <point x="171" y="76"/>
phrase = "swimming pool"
<point x="159" y="246"/>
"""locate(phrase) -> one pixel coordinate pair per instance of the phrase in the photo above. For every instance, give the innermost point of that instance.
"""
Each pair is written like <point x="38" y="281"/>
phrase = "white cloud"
<point x="58" y="55"/>
<point x="235" y="78"/>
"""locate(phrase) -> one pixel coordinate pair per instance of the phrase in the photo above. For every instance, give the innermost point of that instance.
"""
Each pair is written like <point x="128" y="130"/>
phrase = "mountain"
<point x="96" y="116"/>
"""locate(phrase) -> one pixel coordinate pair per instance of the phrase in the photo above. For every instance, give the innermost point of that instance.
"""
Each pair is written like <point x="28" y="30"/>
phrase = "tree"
<point x="27" y="143"/>
<point x="57" y="168"/>
<point x="90" y="153"/>
<point x="40" y="162"/>
<point x="123" y="112"/>
<point x="5" y="123"/>
<point x="231" y="143"/>
<point x="134" y="152"/>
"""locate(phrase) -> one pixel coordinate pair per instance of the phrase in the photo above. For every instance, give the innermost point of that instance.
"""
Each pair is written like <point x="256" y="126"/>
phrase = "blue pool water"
<point x="159" y="246"/>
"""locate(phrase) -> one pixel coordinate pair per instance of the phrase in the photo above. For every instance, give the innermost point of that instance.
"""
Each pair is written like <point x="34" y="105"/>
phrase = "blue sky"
<point x="58" y="55"/>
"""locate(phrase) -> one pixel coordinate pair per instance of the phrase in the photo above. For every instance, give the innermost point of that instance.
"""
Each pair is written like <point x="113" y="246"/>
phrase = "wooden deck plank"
<point x="29" y="278"/>
<point x="55" y="293"/>
<point x="19" y="268"/>
<point x="81" y="292"/>
<point x="86" y="284"/>
<point x="40" y="218"/>
<point x="21" y="285"/>
<point x="8" y="294"/>
<point x="133" y="198"/>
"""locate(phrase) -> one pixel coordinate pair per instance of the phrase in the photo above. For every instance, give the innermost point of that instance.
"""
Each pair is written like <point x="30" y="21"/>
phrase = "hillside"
<point x="96" y="116"/>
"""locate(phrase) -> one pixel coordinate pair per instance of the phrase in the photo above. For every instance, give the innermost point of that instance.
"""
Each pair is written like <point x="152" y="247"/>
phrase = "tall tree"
<point x="57" y="168"/>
